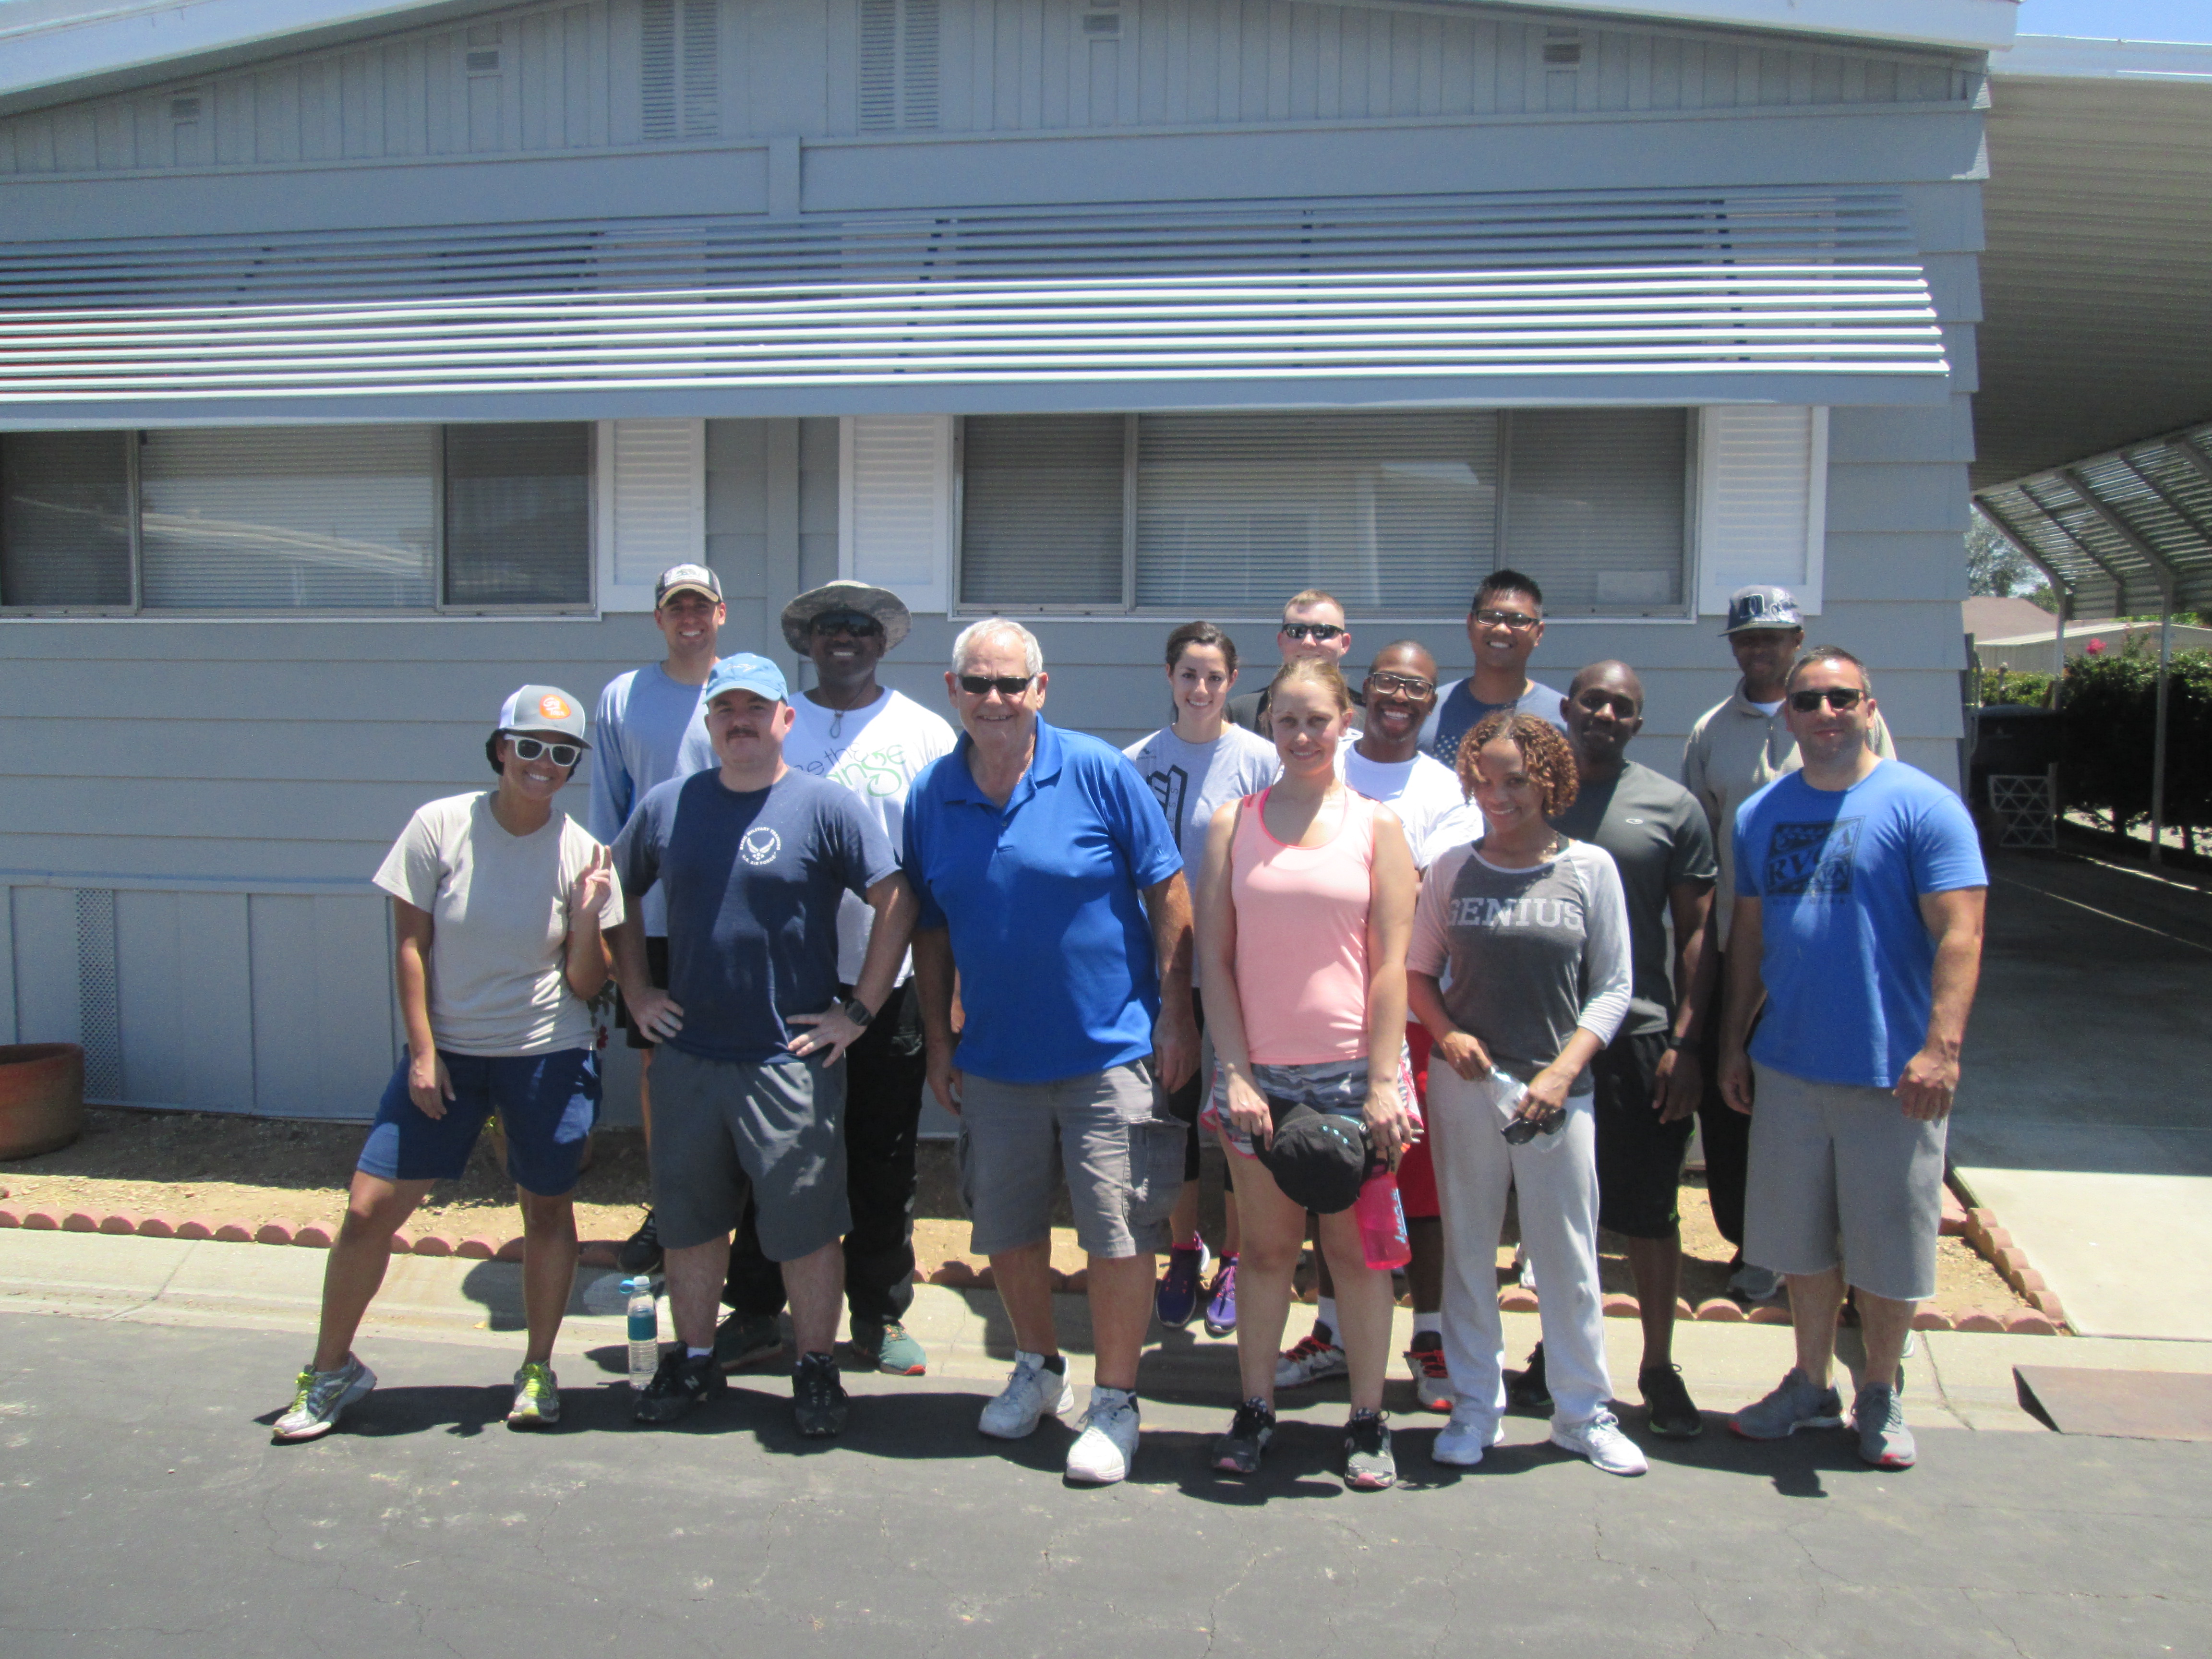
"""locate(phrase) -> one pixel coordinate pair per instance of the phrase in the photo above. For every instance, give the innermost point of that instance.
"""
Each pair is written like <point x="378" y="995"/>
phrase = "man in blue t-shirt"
<point x="1047" y="878"/>
<point x="754" y="860"/>
<point x="1855" y="944"/>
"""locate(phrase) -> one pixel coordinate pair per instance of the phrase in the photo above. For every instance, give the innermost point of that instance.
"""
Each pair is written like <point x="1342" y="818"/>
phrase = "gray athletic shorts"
<point x="1109" y="1131"/>
<point x="722" y="1125"/>
<point x="1834" y="1165"/>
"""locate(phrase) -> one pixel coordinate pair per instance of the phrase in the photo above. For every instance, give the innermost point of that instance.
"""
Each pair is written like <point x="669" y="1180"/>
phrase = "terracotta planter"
<point x="41" y="1097"/>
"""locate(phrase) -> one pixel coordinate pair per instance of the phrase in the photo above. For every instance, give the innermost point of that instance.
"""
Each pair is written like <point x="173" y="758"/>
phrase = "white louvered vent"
<point x="895" y="504"/>
<point x="680" y="58"/>
<point x="898" y="65"/>
<point x="652" y="506"/>
<point x="1762" y="501"/>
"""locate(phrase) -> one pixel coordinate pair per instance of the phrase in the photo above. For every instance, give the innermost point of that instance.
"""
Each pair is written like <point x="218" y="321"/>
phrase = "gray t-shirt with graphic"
<point x="1191" y="781"/>
<point x="1659" y="840"/>
<point x="1531" y="954"/>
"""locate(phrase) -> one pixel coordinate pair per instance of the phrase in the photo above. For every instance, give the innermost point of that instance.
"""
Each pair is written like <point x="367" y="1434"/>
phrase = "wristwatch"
<point x="1675" y="1045"/>
<point x="859" y="1012"/>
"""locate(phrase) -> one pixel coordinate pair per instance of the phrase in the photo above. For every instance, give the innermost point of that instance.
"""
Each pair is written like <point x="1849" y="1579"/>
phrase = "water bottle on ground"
<point x="644" y="1331"/>
<point x="1383" y="1221"/>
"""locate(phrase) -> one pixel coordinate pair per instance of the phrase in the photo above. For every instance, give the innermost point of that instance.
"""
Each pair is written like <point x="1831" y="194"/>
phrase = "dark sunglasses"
<point x="1516" y="620"/>
<point x="847" y="621"/>
<point x="1837" y="697"/>
<point x="1404" y="682"/>
<point x="1310" y="630"/>
<point x="561" y="754"/>
<point x="1522" y="1130"/>
<point x="1006" y="685"/>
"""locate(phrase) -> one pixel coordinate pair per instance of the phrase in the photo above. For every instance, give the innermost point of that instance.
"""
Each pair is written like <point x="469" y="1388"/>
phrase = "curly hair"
<point x="1550" y="762"/>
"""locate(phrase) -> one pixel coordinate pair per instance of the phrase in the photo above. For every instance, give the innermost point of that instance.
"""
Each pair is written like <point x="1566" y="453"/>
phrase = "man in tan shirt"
<point x="1735" y="751"/>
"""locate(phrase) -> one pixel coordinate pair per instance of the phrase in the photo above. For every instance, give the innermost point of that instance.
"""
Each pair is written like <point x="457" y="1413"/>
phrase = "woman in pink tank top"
<point x="1306" y="912"/>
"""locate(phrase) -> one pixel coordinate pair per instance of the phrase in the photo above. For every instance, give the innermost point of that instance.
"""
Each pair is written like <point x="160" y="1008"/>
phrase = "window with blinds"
<point x="338" y="518"/>
<point x="1041" y="512"/>
<point x="66" y="519"/>
<point x="1397" y="513"/>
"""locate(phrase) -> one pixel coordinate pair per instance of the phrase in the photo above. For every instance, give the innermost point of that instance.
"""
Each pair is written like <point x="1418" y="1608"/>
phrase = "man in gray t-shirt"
<point x="1648" y="1077"/>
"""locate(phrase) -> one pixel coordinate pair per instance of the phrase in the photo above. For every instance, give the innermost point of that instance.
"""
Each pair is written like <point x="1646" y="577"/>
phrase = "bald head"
<point x="1614" y="675"/>
<point x="1604" y="709"/>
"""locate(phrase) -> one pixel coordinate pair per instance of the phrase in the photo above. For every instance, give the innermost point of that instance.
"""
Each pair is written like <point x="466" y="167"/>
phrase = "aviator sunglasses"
<point x="1837" y="697"/>
<point x="561" y="754"/>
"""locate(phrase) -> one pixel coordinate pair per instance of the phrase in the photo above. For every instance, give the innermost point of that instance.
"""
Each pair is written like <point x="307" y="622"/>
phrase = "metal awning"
<point x="2126" y="533"/>
<point x="1688" y="297"/>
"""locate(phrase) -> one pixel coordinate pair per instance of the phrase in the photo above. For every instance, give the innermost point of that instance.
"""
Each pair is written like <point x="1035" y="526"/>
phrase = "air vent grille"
<point x="99" y="994"/>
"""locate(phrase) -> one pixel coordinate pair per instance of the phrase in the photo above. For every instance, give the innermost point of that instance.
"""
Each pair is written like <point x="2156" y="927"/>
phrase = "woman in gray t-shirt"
<point x="1519" y="968"/>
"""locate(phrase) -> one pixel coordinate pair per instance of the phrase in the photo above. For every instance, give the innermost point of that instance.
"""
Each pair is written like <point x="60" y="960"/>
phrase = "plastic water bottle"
<point x="1383" y="1221"/>
<point x="644" y="1331"/>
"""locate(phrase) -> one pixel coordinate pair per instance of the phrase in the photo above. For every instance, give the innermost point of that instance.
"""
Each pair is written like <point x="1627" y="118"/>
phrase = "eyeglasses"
<point x="847" y="621"/>
<point x="1516" y="620"/>
<point x="1837" y="697"/>
<point x="1006" y="685"/>
<point x="561" y="754"/>
<point x="1403" y="682"/>
<point x="1597" y="702"/>
<point x="1322" y="631"/>
<point x="1522" y="1130"/>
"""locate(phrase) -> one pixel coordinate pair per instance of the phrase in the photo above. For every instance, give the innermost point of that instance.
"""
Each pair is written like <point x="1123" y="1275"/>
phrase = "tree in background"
<point x="1995" y="569"/>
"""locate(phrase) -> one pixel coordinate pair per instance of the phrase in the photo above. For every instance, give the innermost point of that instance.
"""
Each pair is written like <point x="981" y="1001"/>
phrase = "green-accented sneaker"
<point x="537" y="1398"/>
<point x="889" y="1348"/>
<point x="320" y="1398"/>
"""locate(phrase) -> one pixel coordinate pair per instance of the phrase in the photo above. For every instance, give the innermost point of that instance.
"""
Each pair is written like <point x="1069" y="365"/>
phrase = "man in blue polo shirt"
<point x="1858" y="929"/>
<point x="1050" y="880"/>
<point x="755" y="858"/>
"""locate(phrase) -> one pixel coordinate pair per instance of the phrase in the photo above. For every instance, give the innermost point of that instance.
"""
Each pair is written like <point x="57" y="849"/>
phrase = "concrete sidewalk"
<point x="2084" y="1109"/>
<point x="1956" y="1379"/>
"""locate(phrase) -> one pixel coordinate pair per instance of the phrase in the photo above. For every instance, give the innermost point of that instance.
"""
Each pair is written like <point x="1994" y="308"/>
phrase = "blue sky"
<point x="2114" y="20"/>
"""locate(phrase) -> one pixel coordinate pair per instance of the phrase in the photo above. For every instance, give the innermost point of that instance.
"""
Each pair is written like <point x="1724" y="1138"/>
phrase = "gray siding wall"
<point x="573" y="77"/>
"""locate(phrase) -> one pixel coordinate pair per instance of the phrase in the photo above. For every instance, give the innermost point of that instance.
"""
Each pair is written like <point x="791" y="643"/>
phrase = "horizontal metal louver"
<point x="1634" y="282"/>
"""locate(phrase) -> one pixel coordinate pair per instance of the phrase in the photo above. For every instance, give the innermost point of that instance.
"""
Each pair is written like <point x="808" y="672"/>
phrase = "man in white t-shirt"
<point x="1504" y="626"/>
<point x="643" y="719"/>
<point x="873" y="740"/>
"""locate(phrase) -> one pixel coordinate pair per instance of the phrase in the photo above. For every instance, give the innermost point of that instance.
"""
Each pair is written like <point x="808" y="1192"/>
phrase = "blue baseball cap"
<point x="746" y="673"/>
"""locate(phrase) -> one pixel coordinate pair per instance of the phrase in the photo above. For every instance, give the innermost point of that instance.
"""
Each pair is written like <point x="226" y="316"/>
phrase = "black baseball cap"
<point x="1320" y="1161"/>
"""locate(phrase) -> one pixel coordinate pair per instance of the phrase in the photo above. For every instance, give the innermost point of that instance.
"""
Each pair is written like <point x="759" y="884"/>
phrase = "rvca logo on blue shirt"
<point x="759" y="846"/>
<point x="1812" y="861"/>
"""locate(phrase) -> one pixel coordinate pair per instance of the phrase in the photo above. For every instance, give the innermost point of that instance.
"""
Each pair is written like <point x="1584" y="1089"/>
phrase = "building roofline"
<point x="2059" y="57"/>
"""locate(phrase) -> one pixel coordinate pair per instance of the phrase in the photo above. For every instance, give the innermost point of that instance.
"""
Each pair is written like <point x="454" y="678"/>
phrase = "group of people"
<point x="1443" y="936"/>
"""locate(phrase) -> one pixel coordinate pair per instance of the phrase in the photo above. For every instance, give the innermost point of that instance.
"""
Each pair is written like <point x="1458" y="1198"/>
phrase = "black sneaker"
<point x="1238" y="1452"/>
<point x="1673" y="1413"/>
<point x="819" y="1405"/>
<point x="681" y="1382"/>
<point x="742" y="1338"/>
<point x="641" y="1251"/>
<point x="1526" y="1391"/>
<point x="1368" y="1463"/>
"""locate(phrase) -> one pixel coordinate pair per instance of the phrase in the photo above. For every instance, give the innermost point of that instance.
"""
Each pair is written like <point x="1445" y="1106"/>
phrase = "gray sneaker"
<point x="1796" y="1403"/>
<point x="320" y="1397"/>
<point x="1878" y="1418"/>
<point x="1748" y="1284"/>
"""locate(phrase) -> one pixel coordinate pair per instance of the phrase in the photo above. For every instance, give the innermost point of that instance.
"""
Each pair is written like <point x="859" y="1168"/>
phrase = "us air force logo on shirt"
<point x="760" y="846"/>
<point x="1812" y="861"/>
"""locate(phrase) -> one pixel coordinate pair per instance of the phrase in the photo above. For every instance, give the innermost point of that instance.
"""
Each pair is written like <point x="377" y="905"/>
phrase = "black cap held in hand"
<point x="1320" y="1163"/>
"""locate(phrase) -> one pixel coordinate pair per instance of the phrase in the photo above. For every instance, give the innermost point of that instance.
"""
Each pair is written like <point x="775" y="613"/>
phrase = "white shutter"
<point x="895" y="504"/>
<point x="1762" y="502"/>
<point x="652" y="506"/>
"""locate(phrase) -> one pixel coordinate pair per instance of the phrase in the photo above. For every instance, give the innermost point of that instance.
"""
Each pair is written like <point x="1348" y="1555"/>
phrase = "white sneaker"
<point x="319" y="1398"/>
<point x="1030" y="1392"/>
<point x="1102" y="1454"/>
<point x="1462" y="1441"/>
<point x="1315" y="1356"/>
<point x="1602" y="1441"/>
<point x="1750" y="1283"/>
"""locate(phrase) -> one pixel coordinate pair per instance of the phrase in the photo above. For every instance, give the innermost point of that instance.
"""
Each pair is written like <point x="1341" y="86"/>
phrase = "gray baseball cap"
<point x="542" y="708"/>
<point x="1760" y="607"/>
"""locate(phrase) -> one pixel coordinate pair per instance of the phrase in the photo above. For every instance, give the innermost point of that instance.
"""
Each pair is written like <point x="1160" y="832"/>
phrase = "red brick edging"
<point x="2044" y="1318"/>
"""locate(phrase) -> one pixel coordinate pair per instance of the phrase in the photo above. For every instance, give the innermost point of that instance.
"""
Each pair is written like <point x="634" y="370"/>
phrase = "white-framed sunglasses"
<point x="561" y="754"/>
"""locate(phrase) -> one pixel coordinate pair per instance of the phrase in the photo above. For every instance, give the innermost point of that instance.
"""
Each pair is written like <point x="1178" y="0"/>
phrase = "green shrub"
<point x="2015" y="685"/>
<point x="2105" y="737"/>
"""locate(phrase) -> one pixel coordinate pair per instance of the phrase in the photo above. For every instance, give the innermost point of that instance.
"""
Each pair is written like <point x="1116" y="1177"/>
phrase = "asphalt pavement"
<point x="148" y="1513"/>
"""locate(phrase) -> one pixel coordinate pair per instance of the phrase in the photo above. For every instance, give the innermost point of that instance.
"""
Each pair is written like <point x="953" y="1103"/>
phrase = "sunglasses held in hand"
<point x="1522" y="1130"/>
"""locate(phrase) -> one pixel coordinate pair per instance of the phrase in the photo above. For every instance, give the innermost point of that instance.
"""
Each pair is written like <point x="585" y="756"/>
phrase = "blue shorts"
<point x="547" y="1104"/>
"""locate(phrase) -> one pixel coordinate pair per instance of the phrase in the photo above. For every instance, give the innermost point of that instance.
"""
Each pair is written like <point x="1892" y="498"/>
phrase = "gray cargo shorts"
<point x="1839" y="1172"/>
<point x="1109" y="1133"/>
<point x="721" y="1126"/>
